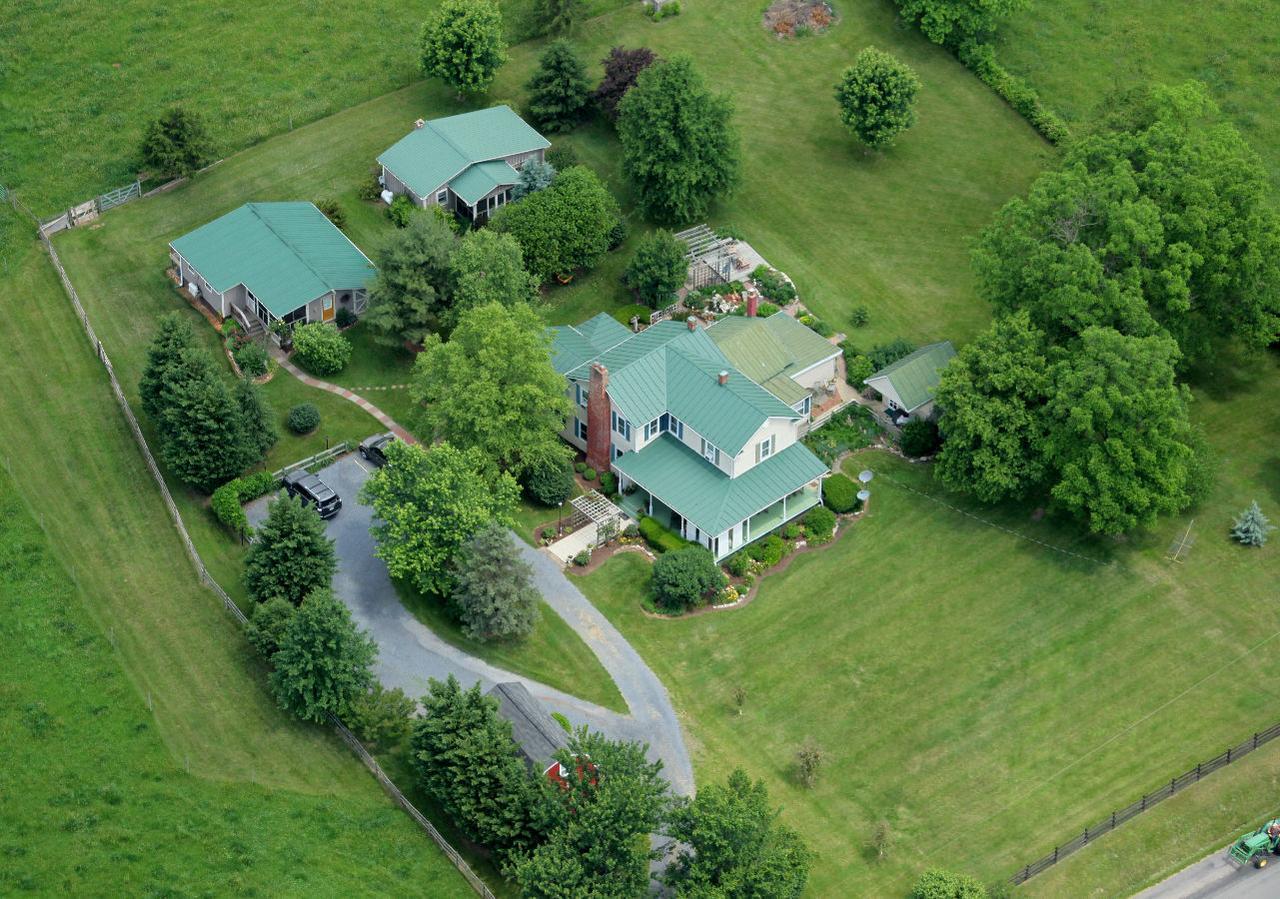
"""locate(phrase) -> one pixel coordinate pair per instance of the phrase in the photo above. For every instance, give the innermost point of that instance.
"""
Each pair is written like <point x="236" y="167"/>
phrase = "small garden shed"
<point x="908" y="384"/>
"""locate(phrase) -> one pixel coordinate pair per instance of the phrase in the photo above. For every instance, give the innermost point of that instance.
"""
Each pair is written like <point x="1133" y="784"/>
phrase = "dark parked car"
<point x="374" y="448"/>
<point x="313" y="492"/>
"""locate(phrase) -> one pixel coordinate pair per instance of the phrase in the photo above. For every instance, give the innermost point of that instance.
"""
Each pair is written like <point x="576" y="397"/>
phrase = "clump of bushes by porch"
<point x="660" y="539"/>
<point x="840" y="494"/>
<point x="320" y="349"/>
<point x="252" y="360"/>
<point x="686" y="578"/>
<point x="228" y="500"/>
<point x="819" y="525"/>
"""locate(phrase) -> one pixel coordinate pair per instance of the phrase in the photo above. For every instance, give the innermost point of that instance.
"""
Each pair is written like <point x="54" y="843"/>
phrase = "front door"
<point x="327" y="308"/>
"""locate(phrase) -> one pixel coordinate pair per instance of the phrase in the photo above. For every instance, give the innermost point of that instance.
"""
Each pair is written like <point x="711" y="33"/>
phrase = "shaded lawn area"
<point x="104" y="612"/>
<point x="985" y="696"/>
<point x="378" y="372"/>
<point x="1075" y="52"/>
<point x="554" y="654"/>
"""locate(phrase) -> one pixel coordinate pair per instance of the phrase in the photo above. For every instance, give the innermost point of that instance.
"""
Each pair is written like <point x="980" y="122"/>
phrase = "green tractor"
<point x="1256" y="846"/>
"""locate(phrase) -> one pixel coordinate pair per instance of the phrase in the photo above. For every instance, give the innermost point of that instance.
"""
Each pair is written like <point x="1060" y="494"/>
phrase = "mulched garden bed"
<point x="793" y="18"/>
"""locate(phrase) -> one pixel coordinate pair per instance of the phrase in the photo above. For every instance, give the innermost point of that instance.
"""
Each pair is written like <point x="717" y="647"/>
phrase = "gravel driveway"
<point x="409" y="653"/>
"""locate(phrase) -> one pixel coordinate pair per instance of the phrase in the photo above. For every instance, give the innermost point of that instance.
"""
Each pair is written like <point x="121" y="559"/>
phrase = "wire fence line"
<point x="208" y="580"/>
<point x="1120" y="816"/>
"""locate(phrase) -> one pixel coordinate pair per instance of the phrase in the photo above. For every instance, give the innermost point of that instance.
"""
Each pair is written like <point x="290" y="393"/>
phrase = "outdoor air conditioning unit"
<point x="193" y="289"/>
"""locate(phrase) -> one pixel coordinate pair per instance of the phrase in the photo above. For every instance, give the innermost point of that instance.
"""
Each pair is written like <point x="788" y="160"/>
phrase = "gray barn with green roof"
<point x="908" y="384"/>
<point x="696" y="443"/>
<point x="266" y="262"/>
<point x="466" y="163"/>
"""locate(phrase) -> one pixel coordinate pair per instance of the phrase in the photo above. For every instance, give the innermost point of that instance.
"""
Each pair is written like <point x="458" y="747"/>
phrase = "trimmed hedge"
<point x="981" y="60"/>
<point x="660" y="539"/>
<point x="840" y="493"/>
<point x="228" y="500"/>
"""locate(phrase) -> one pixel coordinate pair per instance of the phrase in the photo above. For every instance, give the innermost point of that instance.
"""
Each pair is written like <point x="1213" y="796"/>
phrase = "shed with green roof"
<point x="466" y="163"/>
<point x="908" y="384"/>
<point x="273" y="261"/>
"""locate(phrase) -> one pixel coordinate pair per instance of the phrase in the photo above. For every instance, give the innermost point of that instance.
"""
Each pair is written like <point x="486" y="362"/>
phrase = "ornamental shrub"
<point x="345" y="318"/>
<point x="589" y="474"/>
<point x="580" y="467"/>
<point x="608" y="483"/>
<point x="792" y="531"/>
<point x="660" y="539"/>
<point x="768" y="551"/>
<point x="840" y="494"/>
<point x="738" y="564"/>
<point x="919" y="437"/>
<point x="938" y="884"/>
<point x="321" y="349"/>
<point x="252" y="359"/>
<point x="582" y="558"/>
<point x="550" y="482"/>
<point x="819" y="523"/>
<point x="228" y="500"/>
<point x="333" y="212"/>
<point x="772" y="286"/>
<point x="400" y="211"/>
<point x="685" y="578"/>
<point x="304" y="418"/>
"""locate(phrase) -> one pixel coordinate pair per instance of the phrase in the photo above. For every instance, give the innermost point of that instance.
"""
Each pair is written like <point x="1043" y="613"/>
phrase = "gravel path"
<point x="409" y="653"/>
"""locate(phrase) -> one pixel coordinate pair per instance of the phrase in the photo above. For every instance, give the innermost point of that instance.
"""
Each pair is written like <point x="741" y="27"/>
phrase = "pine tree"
<point x="559" y="89"/>
<point x="259" y="427"/>
<point x="1252" y="527"/>
<point x="495" y="596"/>
<point x="291" y="555"/>
<point x="173" y="336"/>
<point x="324" y="660"/>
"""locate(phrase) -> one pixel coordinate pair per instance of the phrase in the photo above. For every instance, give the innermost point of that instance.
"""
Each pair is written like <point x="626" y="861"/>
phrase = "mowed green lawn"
<point x="1077" y="51"/>
<point x="985" y="696"/>
<point x="104" y="614"/>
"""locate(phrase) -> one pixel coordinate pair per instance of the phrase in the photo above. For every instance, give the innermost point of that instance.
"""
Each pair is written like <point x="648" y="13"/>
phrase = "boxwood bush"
<point x="840" y="494"/>
<point x="304" y="418"/>
<point x="321" y="349"/>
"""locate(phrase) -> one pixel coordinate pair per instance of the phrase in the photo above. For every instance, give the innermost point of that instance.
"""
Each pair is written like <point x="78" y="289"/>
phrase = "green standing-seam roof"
<point x="441" y="150"/>
<point x="286" y="254"/>
<point x="771" y="350"/>
<point x="573" y="346"/>
<point x="481" y="179"/>
<point x="915" y="377"/>
<point x="704" y="494"/>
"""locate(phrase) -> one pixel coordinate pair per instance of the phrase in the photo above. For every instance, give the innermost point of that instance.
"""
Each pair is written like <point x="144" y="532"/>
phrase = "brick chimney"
<point x="598" y="440"/>
<point x="724" y="378"/>
<point x="753" y="303"/>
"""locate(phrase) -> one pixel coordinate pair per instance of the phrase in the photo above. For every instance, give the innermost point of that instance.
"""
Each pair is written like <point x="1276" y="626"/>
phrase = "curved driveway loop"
<point x="409" y="653"/>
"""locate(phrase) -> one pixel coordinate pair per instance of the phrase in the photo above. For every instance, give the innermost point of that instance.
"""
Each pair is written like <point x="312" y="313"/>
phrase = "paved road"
<point x="409" y="653"/>
<point x="1218" y="878"/>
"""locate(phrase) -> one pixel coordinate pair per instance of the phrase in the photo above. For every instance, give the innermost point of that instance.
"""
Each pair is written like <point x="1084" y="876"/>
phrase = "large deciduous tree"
<point x="559" y="89"/>
<point x="1159" y="219"/>
<point x="877" y="97"/>
<point x="492" y="387"/>
<point x="658" y="269"/>
<point x="494" y="594"/>
<point x="565" y="227"/>
<point x="429" y="501"/>
<point x="291" y="555"/>
<point x="732" y="844"/>
<point x="597" y="824"/>
<point x="621" y="69"/>
<point x="410" y="296"/>
<point x="993" y="395"/>
<point x="323" y="661"/>
<point x="679" y="145"/>
<point x="462" y="44"/>
<point x="953" y="22"/>
<point x="1119" y="435"/>
<point x="462" y="752"/>
<point x="488" y="267"/>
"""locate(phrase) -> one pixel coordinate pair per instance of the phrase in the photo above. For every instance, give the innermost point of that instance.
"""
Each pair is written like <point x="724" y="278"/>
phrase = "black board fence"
<point x="1164" y="791"/>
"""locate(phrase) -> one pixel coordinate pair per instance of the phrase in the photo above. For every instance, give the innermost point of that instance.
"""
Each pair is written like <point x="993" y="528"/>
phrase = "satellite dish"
<point x="864" y="495"/>
<point x="866" y="475"/>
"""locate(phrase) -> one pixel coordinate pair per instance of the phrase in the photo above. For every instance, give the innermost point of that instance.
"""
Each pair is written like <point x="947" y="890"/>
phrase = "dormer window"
<point x="710" y="452"/>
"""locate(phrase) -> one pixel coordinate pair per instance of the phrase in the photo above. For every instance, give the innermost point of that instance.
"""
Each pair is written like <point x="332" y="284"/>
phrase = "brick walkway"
<point x="387" y="421"/>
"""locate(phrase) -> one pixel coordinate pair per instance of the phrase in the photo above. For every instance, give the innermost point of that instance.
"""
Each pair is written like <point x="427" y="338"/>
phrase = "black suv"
<point x="374" y="448"/>
<point x="313" y="492"/>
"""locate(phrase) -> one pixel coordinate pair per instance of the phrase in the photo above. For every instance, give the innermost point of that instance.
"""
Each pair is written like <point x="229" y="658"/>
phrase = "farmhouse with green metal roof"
<point x="695" y="441"/>
<point x="778" y="353"/>
<point x="908" y="384"/>
<point x="266" y="262"/>
<point x="466" y="163"/>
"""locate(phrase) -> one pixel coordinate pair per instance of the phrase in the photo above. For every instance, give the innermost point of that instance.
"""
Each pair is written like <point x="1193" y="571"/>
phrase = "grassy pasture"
<point x="985" y="696"/>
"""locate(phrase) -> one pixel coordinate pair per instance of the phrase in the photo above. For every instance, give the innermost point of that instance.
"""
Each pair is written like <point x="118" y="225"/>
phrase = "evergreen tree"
<point x="679" y="146"/>
<point x="561" y="16"/>
<point x="259" y="421"/>
<point x="176" y="144"/>
<point x="291" y="556"/>
<point x="494" y="592"/>
<point x="1252" y="527"/>
<point x="462" y="44"/>
<point x="410" y="295"/>
<point x="559" y="89"/>
<point x="267" y="624"/>
<point x="465" y="760"/>
<point x="323" y="662"/>
<point x="173" y="336"/>
<point x="534" y="176"/>
<point x="877" y="97"/>
<point x="202" y="434"/>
